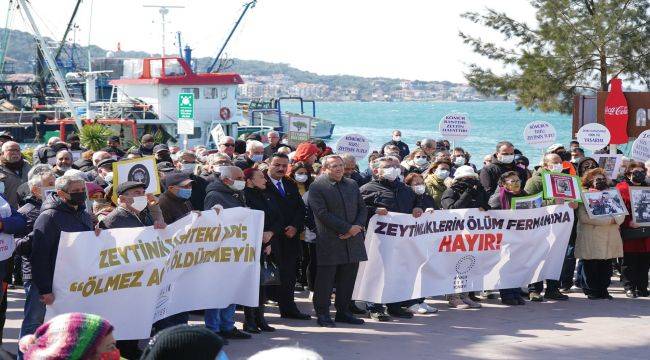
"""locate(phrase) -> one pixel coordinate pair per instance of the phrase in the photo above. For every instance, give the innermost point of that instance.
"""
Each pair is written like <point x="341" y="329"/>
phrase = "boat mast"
<point x="247" y="6"/>
<point x="51" y="63"/>
<point x="163" y="10"/>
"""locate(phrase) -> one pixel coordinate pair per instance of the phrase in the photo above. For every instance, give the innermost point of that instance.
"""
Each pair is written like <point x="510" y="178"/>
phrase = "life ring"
<point x="224" y="113"/>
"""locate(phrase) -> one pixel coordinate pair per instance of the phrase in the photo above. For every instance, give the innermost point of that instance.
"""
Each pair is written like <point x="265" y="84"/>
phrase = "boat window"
<point x="173" y="68"/>
<point x="210" y="93"/>
<point x="132" y="69"/>
<point x="197" y="134"/>
<point x="194" y="91"/>
<point x="155" y="68"/>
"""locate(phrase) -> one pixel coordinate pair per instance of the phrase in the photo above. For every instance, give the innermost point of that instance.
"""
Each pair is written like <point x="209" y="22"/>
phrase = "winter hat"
<point x="553" y="148"/>
<point x="183" y="342"/>
<point x="304" y="151"/>
<point x="72" y="336"/>
<point x="465" y="171"/>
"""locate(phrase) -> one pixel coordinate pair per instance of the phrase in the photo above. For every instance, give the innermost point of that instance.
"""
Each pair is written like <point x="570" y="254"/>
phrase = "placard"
<point x="604" y="203"/>
<point x="640" y="205"/>
<point x="561" y="186"/>
<point x="539" y="134"/>
<point x="144" y="170"/>
<point x="185" y="127"/>
<point x="299" y="130"/>
<point x="593" y="136"/>
<point x="641" y="147"/>
<point x="526" y="202"/>
<point x="217" y="133"/>
<point x="611" y="163"/>
<point x="455" y="126"/>
<point x="353" y="144"/>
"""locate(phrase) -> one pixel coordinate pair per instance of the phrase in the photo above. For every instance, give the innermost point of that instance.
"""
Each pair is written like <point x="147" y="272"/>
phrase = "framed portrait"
<point x="144" y="170"/>
<point x="640" y="204"/>
<point x="561" y="186"/>
<point x="604" y="203"/>
<point x="526" y="202"/>
<point x="611" y="163"/>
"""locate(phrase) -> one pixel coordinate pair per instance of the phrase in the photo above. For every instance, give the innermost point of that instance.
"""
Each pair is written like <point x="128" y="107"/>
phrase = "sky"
<point x="409" y="39"/>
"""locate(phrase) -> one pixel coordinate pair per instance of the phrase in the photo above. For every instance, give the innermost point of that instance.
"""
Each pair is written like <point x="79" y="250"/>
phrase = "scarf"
<point x="504" y="198"/>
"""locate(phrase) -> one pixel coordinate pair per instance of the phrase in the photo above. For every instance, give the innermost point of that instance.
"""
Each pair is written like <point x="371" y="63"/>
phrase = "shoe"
<point x="555" y="295"/>
<point x="472" y="297"/>
<point x="566" y="289"/>
<point x="416" y="309"/>
<point x="297" y="316"/>
<point x="250" y="326"/>
<point x="400" y="313"/>
<point x="521" y="301"/>
<point x="379" y="316"/>
<point x="510" y="302"/>
<point x="235" y="334"/>
<point x="471" y="303"/>
<point x="631" y="294"/>
<point x="643" y="293"/>
<point x="457" y="303"/>
<point x="261" y="321"/>
<point x="325" y="321"/>
<point x="348" y="319"/>
<point x="491" y="295"/>
<point x="535" y="296"/>
<point x="430" y="309"/>
<point x="354" y="309"/>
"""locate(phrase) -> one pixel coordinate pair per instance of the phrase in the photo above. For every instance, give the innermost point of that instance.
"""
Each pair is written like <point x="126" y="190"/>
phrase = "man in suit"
<point x="340" y="215"/>
<point x="285" y="192"/>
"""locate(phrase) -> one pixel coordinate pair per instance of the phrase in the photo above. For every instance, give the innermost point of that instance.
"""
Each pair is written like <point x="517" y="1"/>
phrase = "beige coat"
<point x="599" y="238"/>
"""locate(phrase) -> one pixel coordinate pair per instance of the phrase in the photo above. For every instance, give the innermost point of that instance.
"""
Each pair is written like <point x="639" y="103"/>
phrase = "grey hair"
<point x="427" y="143"/>
<point x="63" y="183"/>
<point x="324" y="159"/>
<point x="225" y="138"/>
<point x="38" y="170"/>
<point x="272" y="133"/>
<point x="348" y="157"/>
<point x="253" y="144"/>
<point x="213" y="158"/>
<point x="64" y="151"/>
<point x="375" y="163"/>
<point x="227" y="172"/>
<point x="37" y="180"/>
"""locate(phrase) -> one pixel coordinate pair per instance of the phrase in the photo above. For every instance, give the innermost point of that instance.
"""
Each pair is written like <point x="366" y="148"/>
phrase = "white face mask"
<point x="390" y="174"/>
<point x="139" y="203"/>
<point x="238" y="185"/>
<point x="459" y="161"/>
<point x="420" y="161"/>
<point x="419" y="189"/>
<point x="506" y="159"/>
<point x="301" y="178"/>
<point x="397" y="138"/>
<point x="189" y="167"/>
<point x="442" y="174"/>
<point x="557" y="168"/>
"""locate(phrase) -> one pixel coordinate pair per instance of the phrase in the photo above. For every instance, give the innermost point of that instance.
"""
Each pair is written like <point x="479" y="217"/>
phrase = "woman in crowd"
<point x="460" y="157"/>
<point x="416" y="162"/>
<point x="509" y="188"/>
<point x="301" y="174"/>
<point x="416" y="182"/>
<point x="434" y="180"/>
<point x="72" y="336"/>
<point x="466" y="192"/>
<point x="585" y="164"/>
<point x="598" y="241"/>
<point x="258" y="199"/>
<point x="636" y="248"/>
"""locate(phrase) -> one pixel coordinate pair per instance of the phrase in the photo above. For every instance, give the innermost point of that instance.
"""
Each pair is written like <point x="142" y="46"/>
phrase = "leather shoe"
<point x="400" y="313"/>
<point x="349" y="319"/>
<point x="235" y="334"/>
<point x="296" y="315"/>
<point x="325" y="321"/>
<point x="356" y="310"/>
<point x="379" y="316"/>
<point x="555" y="295"/>
<point x="511" y="302"/>
<point x="631" y="294"/>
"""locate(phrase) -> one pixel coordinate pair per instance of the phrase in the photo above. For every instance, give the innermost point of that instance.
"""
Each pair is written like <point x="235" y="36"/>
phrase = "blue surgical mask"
<point x="184" y="193"/>
<point x="257" y="157"/>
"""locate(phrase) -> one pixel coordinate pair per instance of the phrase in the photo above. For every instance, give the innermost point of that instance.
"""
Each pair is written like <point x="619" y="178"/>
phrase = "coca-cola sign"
<point x="616" y="110"/>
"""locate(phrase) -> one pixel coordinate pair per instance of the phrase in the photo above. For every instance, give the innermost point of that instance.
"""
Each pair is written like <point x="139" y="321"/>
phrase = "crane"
<point x="248" y="5"/>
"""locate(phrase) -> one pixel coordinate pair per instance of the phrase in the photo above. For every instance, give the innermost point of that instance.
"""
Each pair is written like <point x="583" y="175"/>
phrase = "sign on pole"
<point x="299" y="130"/>
<point x="539" y="134"/>
<point x="354" y="144"/>
<point x="641" y="147"/>
<point x="593" y="136"/>
<point x="185" y="114"/>
<point x="455" y="126"/>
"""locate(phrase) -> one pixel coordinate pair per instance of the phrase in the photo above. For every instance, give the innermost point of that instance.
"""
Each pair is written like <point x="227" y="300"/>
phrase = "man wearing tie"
<point x="292" y="208"/>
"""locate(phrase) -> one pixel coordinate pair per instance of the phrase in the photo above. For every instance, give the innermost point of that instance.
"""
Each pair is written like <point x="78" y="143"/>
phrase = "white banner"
<point x="136" y="276"/>
<point x="454" y="251"/>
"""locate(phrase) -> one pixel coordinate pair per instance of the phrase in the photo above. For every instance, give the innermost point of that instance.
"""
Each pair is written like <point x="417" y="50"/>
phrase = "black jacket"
<point x="173" y="207"/>
<point x="270" y="150"/>
<point x="56" y="216"/>
<point x="260" y="200"/>
<point x="395" y="196"/>
<point x="83" y="165"/>
<point x="291" y="205"/>
<point x="403" y="148"/>
<point x="490" y="174"/>
<point x="144" y="151"/>
<point x="426" y="201"/>
<point x="463" y="195"/>
<point x="199" y="186"/>
<point x="219" y="193"/>
<point x="30" y="211"/>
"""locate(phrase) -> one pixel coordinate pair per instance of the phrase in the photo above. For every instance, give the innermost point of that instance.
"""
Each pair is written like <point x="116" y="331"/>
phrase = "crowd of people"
<point x="316" y="204"/>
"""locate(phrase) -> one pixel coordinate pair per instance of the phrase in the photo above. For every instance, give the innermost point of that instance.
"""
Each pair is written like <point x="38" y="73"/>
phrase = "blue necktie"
<point x="280" y="188"/>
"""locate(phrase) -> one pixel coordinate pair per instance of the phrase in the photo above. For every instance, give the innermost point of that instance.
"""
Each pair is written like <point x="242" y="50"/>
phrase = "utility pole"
<point x="163" y="10"/>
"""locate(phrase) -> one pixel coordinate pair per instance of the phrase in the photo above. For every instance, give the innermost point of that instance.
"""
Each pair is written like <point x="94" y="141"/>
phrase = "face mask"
<point x="77" y="198"/>
<point x="139" y="203"/>
<point x="397" y="138"/>
<point x="393" y="154"/>
<point x="301" y="178"/>
<point x="184" y="193"/>
<point x="111" y="355"/>
<point x="419" y="189"/>
<point x="442" y="174"/>
<point x="420" y="161"/>
<point x="459" y="161"/>
<point x="108" y="177"/>
<point x="506" y="159"/>
<point x="257" y="157"/>
<point x="188" y="167"/>
<point x="390" y="174"/>
<point x="238" y="185"/>
<point x="600" y="184"/>
<point x="638" y="177"/>
<point x="148" y="146"/>
<point x="285" y="142"/>
<point x="557" y="168"/>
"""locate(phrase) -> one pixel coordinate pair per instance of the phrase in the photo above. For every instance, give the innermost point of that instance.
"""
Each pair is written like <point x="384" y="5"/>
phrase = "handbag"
<point x="635" y="233"/>
<point x="270" y="275"/>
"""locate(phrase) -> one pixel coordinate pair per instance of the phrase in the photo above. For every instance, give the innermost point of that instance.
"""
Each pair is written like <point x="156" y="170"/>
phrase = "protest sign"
<point x="354" y="144"/>
<point x="561" y="186"/>
<point x="458" y="251"/>
<point x="611" y="163"/>
<point x="526" y="202"/>
<point x="539" y="134"/>
<point x="604" y="203"/>
<point x="641" y="147"/>
<point x="142" y="170"/>
<point x="217" y="133"/>
<point x="7" y="243"/>
<point x="299" y="130"/>
<point x="593" y="136"/>
<point x="135" y="276"/>
<point x="640" y="205"/>
<point x="455" y="126"/>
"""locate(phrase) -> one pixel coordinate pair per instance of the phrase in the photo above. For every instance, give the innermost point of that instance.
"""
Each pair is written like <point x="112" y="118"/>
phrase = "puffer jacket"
<point x="599" y="238"/>
<point x="435" y="188"/>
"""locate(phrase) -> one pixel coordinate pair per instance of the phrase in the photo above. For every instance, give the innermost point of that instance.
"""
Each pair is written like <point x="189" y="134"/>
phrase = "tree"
<point x="576" y="47"/>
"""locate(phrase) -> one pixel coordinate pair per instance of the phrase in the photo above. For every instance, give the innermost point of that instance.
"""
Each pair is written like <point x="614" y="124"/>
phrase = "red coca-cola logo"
<point x="617" y="110"/>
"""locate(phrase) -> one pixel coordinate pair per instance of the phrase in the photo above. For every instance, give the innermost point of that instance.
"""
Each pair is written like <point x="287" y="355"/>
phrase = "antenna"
<point x="163" y="10"/>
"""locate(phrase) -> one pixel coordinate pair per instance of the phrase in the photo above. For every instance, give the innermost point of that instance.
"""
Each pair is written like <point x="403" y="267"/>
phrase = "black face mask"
<point x="638" y="177"/>
<point x="77" y="198"/>
<point x="601" y="184"/>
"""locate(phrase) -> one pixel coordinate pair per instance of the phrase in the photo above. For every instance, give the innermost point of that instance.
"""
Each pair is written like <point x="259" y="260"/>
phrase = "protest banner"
<point x="136" y="276"/>
<point x="539" y="134"/>
<point x="640" y="205"/>
<point x="354" y="144"/>
<point x="641" y="147"/>
<point x="593" y="136"/>
<point x="561" y="186"/>
<point x="455" y="126"/>
<point x="142" y="170"/>
<point x="458" y="251"/>
<point x="7" y="243"/>
<point x="604" y="203"/>
<point x="299" y="130"/>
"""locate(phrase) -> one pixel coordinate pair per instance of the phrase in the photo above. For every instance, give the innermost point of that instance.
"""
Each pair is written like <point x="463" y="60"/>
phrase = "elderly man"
<point x="63" y="162"/>
<point x="134" y="208"/>
<point x="254" y="154"/>
<point x="104" y="173"/>
<point x="99" y="156"/>
<point x="274" y="144"/>
<point x="63" y="210"/>
<point x="501" y="162"/>
<point x="226" y="191"/>
<point x="340" y="215"/>
<point x="227" y="146"/>
<point x="175" y="200"/>
<point x="351" y="170"/>
<point x="285" y="192"/>
<point x="13" y="172"/>
<point x="397" y="141"/>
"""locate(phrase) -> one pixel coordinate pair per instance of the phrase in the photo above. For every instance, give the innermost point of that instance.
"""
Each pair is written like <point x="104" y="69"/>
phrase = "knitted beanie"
<point x="183" y="342"/>
<point x="73" y="336"/>
<point x="304" y="151"/>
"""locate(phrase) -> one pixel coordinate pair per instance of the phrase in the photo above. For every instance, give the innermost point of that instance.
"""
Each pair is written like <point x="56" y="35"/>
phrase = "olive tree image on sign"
<point x="142" y="170"/>
<point x="299" y="130"/>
